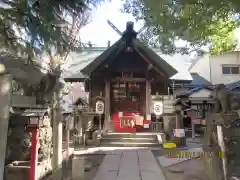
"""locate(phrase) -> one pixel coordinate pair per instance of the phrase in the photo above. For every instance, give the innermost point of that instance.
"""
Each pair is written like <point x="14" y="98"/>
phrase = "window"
<point x="230" y="69"/>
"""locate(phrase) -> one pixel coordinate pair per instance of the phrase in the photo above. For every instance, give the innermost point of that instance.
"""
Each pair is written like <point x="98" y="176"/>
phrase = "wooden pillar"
<point x="148" y="99"/>
<point x="5" y="95"/>
<point x="107" y="119"/>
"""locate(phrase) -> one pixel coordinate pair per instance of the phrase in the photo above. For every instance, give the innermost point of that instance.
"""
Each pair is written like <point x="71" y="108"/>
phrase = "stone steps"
<point x="129" y="140"/>
<point x="129" y="135"/>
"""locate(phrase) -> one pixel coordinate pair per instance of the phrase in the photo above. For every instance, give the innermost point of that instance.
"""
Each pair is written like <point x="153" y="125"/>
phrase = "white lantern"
<point x="100" y="107"/>
<point x="158" y="108"/>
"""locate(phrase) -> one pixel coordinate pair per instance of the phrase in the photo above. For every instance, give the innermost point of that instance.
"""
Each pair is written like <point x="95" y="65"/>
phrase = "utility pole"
<point x="5" y="95"/>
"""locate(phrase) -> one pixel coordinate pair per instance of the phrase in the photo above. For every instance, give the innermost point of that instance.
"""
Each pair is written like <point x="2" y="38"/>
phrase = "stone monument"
<point x="180" y="105"/>
<point x="222" y="136"/>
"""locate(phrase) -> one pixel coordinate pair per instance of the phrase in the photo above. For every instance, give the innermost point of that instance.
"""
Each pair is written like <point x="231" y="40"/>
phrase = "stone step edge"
<point x="127" y="138"/>
<point x="129" y="143"/>
<point x="137" y="134"/>
<point x="170" y="161"/>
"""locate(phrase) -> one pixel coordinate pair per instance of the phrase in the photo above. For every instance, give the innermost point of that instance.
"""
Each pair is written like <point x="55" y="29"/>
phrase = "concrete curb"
<point x="169" y="161"/>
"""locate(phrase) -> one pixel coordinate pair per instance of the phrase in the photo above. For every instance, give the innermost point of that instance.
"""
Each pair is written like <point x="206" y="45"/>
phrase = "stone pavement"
<point x="133" y="164"/>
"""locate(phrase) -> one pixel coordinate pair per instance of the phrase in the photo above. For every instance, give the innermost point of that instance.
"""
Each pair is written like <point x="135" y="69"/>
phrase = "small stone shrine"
<point x="19" y="140"/>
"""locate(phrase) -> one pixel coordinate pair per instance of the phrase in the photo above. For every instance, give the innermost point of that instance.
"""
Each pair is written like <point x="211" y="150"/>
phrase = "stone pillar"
<point x="168" y="125"/>
<point x="45" y="143"/>
<point x="78" y="168"/>
<point x="57" y="138"/>
<point x="5" y="95"/>
<point x="180" y="141"/>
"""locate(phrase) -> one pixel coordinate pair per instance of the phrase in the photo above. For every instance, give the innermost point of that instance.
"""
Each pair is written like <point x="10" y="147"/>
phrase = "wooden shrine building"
<point x="126" y="75"/>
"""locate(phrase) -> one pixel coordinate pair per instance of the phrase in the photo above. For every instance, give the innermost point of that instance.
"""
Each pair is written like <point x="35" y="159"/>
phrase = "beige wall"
<point x="202" y="67"/>
<point x="216" y="67"/>
<point x="210" y="67"/>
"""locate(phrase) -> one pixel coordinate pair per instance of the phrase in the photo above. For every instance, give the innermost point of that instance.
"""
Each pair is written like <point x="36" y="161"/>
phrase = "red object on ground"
<point x="116" y="120"/>
<point x="197" y="117"/>
<point x="147" y="121"/>
<point x="34" y="153"/>
<point x="126" y="128"/>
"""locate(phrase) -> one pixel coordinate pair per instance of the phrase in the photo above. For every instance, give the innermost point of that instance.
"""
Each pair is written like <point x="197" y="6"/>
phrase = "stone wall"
<point x="19" y="141"/>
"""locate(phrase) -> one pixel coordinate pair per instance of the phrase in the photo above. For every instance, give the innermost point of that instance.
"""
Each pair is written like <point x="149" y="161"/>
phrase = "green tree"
<point x="36" y="26"/>
<point x="199" y="23"/>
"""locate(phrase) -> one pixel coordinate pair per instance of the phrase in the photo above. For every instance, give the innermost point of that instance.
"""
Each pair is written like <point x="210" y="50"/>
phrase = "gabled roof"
<point x="199" y="80"/>
<point x="194" y="62"/>
<point x="24" y="73"/>
<point x="157" y="60"/>
<point x="145" y="51"/>
<point x="81" y="101"/>
<point x="79" y="60"/>
<point x="74" y="77"/>
<point x="233" y="85"/>
<point x="114" y="49"/>
<point x="194" y="90"/>
<point x="180" y="62"/>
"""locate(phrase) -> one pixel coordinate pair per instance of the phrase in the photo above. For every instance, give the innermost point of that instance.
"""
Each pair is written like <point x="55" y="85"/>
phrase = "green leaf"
<point x="200" y="23"/>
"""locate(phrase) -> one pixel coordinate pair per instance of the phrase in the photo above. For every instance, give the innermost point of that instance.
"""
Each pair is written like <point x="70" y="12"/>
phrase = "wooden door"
<point x="128" y="98"/>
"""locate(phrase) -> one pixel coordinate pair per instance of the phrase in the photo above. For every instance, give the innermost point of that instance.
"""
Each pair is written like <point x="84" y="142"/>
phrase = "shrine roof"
<point x="233" y="85"/>
<point x="194" y="90"/>
<point x="199" y="80"/>
<point x="35" y="112"/>
<point x="79" y="60"/>
<point x="24" y="73"/>
<point x="81" y="101"/>
<point x="140" y="48"/>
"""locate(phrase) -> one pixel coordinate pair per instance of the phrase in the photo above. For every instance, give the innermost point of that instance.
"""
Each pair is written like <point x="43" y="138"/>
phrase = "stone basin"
<point x="20" y="170"/>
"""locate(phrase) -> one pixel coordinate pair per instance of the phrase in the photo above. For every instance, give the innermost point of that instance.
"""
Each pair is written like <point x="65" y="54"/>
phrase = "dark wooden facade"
<point x="126" y="75"/>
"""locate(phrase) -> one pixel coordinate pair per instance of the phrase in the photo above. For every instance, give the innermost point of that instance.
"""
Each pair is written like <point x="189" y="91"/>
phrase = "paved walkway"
<point x="131" y="164"/>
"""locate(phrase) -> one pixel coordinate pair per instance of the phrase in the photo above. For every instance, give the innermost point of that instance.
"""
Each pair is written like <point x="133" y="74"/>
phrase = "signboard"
<point x="100" y="107"/>
<point x="69" y="122"/>
<point x="220" y="138"/>
<point x="145" y="125"/>
<point x="179" y="133"/>
<point x="158" y="108"/>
